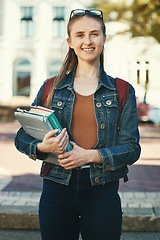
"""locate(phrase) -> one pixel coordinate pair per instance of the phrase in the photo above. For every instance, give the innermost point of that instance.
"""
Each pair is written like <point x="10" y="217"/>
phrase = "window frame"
<point x="20" y="67"/>
<point x="59" y="21"/>
<point x="27" y="23"/>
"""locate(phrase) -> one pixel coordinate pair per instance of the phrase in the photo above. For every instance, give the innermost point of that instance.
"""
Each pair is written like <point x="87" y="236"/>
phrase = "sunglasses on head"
<point x="82" y="12"/>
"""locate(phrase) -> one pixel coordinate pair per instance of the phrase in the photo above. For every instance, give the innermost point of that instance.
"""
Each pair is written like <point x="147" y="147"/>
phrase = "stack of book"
<point x="38" y="121"/>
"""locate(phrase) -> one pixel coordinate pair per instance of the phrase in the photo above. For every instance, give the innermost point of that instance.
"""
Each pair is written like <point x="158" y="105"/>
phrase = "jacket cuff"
<point x="107" y="159"/>
<point x="34" y="154"/>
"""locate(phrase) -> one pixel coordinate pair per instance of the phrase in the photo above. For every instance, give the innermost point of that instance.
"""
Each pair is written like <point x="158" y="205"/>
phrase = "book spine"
<point x="56" y="125"/>
<point x="47" y="123"/>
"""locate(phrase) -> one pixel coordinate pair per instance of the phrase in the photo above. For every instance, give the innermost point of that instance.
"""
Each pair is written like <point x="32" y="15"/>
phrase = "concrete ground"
<point x="35" y="235"/>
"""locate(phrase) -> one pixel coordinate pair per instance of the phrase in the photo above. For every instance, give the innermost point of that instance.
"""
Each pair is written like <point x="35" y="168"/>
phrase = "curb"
<point x="141" y="220"/>
<point x="134" y="219"/>
<point x="19" y="217"/>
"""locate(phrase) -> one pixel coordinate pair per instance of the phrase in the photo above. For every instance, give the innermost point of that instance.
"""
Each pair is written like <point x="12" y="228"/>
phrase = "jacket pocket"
<point x="111" y="109"/>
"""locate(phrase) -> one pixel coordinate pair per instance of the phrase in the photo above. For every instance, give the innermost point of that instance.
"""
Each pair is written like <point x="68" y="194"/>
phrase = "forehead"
<point x="85" y="23"/>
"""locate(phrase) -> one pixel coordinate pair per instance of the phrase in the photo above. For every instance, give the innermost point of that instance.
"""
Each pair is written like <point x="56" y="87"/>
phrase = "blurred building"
<point x="32" y="47"/>
<point x="136" y="60"/>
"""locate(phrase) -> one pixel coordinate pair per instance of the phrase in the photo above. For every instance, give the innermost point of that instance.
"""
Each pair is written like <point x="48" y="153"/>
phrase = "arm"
<point x="128" y="149"/>
<point x="28" y="145"/>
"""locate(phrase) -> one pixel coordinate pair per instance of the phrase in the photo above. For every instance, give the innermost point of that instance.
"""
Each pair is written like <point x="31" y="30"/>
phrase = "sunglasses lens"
<point x="96" y="13"/>
<point x="78" y="12"/>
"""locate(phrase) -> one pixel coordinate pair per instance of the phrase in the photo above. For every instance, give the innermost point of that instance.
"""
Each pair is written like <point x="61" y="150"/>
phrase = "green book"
<point x="38" y="121"/>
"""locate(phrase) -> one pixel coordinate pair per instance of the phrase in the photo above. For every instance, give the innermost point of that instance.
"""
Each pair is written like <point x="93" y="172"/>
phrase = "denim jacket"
<point x="118" y="148"/>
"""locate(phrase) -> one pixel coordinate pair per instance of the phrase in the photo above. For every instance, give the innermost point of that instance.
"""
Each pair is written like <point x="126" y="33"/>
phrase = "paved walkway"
<point x="5" y="178"/>
<point x="129" y="199"/>
<point x="35" y="235"/>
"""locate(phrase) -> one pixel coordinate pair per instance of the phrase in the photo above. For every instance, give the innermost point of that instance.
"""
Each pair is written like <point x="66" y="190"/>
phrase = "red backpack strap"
<point x="123" y="92"/>
<point x="47" y="87"/>
<point x="44" y="97"/>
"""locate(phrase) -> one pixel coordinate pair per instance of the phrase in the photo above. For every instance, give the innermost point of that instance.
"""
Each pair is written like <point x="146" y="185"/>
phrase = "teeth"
<point x="88" y="49"/>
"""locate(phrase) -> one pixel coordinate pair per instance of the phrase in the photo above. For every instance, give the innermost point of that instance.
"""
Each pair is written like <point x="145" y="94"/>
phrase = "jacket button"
<point x="98" y="104"/>
<point x="99" y="146"/>
<point x="97" y="180"/>
<point x="107" y="167"/>
<point x="95" y="165"/>
<point x="33" y="157"/>
<point x="59" y="103"/>
<point x="108" y="102"/>
<point x="102" y="126"/>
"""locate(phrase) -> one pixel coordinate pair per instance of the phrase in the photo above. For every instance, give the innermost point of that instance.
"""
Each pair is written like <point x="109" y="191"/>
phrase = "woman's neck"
<point x="87" y="71"/>
<point x="86" y="79"/>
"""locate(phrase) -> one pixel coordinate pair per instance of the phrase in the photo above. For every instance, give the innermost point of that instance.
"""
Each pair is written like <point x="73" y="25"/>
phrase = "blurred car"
<point x="148" y="113"/>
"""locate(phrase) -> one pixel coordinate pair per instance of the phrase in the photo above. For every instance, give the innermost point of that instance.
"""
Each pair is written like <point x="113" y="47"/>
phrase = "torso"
<point x="84" y="126"/>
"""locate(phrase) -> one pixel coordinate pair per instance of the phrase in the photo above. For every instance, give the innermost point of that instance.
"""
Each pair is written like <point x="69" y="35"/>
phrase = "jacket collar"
<point x="104" y="80"/>
<point x="67" y="81"/>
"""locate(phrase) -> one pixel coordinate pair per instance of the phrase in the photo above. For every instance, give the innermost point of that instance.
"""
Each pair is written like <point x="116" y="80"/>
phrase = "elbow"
<point x="136" y="153"/>
<point x="16" y="140"/>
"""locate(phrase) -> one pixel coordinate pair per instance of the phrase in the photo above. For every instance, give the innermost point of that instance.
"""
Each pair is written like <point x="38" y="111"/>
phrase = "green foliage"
<point x="142" y="16"/>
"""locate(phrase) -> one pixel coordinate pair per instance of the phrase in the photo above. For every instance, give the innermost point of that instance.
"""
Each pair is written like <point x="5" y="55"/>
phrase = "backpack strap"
<point x="47" y="87"/>
<point x="44" y="97"/>
<point x="123" y="92"/>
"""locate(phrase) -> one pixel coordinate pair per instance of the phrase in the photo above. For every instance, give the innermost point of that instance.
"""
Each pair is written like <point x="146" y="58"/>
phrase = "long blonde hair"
<point x="70" y="62"/>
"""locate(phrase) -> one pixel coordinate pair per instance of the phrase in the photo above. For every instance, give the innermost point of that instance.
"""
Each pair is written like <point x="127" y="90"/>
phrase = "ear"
<point x="69" y="42"/>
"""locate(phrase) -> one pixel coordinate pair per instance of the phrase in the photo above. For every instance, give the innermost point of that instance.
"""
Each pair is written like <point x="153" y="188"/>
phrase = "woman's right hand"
<point x="54" y="144"/>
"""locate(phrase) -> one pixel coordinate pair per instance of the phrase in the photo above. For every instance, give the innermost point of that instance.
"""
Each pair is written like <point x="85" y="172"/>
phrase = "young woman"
<point x="80" y="190"/>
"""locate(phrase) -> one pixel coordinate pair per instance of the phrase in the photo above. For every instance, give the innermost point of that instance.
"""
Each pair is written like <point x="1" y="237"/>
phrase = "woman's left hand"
<point x="78" y="157"/>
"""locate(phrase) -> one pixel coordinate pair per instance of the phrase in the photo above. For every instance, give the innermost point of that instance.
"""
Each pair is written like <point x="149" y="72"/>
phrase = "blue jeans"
<point x="66" y="211"/>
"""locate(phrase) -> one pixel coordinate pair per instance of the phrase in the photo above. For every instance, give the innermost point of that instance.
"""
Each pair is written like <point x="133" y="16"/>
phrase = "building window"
<point x="142" y="68"/>
<point x="54" y="68"/>
<point x="138" y="72"/>
<point x="142" y="72"/>
<point x="58" y="21"/>
<point x="21" y="78"/>
<point x="27" y="24"/>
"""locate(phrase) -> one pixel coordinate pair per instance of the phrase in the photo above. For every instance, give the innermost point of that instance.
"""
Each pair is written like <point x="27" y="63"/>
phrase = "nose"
<point x="88" y="40"/>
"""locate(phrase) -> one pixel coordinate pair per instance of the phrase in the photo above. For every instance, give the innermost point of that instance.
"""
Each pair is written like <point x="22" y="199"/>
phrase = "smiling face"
<point x="87" y="39"/>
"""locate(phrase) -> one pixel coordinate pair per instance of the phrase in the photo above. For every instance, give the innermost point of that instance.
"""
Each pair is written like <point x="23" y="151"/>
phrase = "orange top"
<point x="84" y="126"/>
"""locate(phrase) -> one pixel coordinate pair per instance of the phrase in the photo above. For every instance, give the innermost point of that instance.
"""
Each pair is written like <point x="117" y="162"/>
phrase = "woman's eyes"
<point x="79" y="35"/>
<point x="83" y="35"/>
<point x="95" y="34"/>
